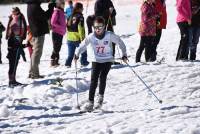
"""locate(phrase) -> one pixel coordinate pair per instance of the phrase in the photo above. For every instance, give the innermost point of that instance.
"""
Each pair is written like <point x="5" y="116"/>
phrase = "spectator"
<point x="147" y="30"/>
<point x="76" y="34"/>
<point x="184" y="21"/>
<point x="194" y="29"/>
<point x="38" y="22"/>
<point x="16" y="33"/>
<point x="161" y="24"/>
<point x="69" y="9"/>
<point x="58" y="30"/>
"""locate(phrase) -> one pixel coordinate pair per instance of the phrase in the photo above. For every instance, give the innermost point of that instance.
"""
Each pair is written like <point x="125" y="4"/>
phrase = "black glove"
<point x="124" y="58"/>
<point x="76" y="57"/>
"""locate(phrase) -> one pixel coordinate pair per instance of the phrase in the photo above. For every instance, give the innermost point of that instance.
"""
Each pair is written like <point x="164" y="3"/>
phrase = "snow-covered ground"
<point x="128" y="109"/>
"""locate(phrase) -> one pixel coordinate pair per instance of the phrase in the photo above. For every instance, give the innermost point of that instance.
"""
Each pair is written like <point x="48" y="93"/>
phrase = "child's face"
<point x="99" y="28"/>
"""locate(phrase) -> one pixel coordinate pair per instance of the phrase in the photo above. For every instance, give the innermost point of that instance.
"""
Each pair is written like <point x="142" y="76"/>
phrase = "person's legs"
<point x="37" y="43"/>
<point x="84" y="61"/>
<point x="0" y="52"/>
<point x="96" y="67"/>
<point x="140" y="49"/>
<point x="57" y="43"/>
<point x="71" y="50"/>
<point x="182" y="53"/>
<point x="194" y="40"/>
<point x="155" y="44"/>
<point x="103" y="77"/>
<point x="148" y="49"/>
<point x="13" y="58"/>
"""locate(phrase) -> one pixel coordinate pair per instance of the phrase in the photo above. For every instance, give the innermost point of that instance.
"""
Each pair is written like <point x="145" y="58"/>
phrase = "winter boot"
<point x="192" y="56"/>
<point x="89" y="106"/>
<point x="52" y="62"/>
<point x="14" y="83"/>
<point x="99" y="102"/>
<point x="0" y="61"/>
<point x="56" y="62"/>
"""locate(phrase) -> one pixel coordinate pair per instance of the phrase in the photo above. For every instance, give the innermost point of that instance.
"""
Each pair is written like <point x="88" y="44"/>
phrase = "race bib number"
<point x="102" y="49"/>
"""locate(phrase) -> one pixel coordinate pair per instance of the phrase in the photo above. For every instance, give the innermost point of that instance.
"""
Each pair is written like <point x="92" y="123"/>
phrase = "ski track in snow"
<point x="129" y="107"/>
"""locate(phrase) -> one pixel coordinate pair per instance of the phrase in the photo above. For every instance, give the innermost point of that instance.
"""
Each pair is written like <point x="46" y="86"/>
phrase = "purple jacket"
<point x="184" y="10"/>
<point x="58" y="23"/>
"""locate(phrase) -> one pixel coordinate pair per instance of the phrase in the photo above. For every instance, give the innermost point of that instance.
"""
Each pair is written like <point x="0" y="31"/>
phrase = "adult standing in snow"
<point x="99" y="45"/>
<point x="58" y="26"/>
<point x="38" y="22"/>
<point x="194" y="30"/>
<point x="2" y="28"/>
<point x="16" y="33"/>
<point x="76" y="34"/>
<point x="147" y="30"/>
<point x="105" y="8"/>
<point x="161" y="24"/>
<point x="184" y="21"/>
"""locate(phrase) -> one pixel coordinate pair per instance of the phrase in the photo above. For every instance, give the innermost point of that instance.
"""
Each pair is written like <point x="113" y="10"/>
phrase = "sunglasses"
<point x="98" y="27"/>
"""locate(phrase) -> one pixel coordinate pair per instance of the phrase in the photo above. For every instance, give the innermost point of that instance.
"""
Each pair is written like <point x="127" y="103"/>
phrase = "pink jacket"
<point x="58" y="23"/>
<point x="149" y="16"/>
<point x="184" y="10"/>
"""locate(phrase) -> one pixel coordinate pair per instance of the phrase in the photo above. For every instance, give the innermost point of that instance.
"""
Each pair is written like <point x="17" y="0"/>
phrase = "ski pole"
<point x="149" y="89"/>
<point x="77" y="100"/>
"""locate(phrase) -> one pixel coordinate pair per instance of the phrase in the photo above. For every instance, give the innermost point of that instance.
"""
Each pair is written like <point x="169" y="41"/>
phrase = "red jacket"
<point x="161" y="8"/>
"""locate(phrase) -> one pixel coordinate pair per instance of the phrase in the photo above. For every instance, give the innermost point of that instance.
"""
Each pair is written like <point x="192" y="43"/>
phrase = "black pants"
<point x="89" y="22"/>
<point x="146" y="42"/>
<point x="183" y="49"/>
<point x="99" y="72"/>
<point x="0" y="49"/>
<point x="57" y="43"/>
<point x="156" y="42"/>
<point x="13" y="58"/>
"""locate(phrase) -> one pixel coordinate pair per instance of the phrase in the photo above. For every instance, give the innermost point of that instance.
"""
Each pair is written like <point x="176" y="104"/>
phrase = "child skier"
<point x="58" y="30"/>
<point x="100" y="54"/>
<point x="16" y="33"/>
<point x="2" y="28"/>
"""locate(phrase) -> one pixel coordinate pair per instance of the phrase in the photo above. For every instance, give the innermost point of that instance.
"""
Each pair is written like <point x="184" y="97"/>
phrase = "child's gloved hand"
<point x="125" y="59"/>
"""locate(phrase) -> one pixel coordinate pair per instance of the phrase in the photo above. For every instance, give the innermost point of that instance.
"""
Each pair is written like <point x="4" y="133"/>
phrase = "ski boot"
<point x="99" y="102"/>
<point x="89" y="106"/>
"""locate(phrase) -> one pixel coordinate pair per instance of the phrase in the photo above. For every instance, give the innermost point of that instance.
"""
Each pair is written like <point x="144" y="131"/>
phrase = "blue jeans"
<point x="72" y="45"/>
<point x="194" y="33"/>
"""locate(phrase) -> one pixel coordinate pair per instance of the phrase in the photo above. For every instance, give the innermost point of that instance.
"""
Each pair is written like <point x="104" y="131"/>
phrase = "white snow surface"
<point x="129" y="107"/>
